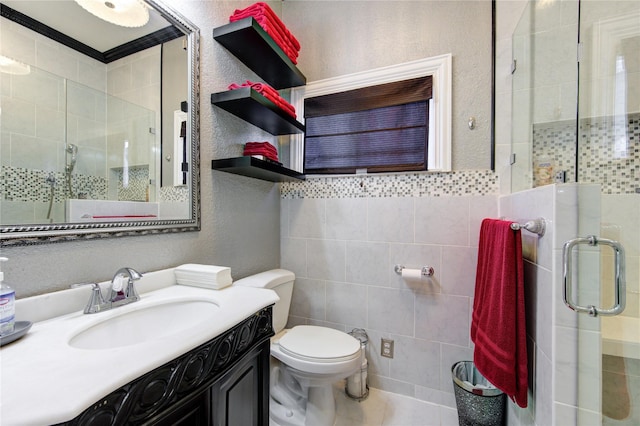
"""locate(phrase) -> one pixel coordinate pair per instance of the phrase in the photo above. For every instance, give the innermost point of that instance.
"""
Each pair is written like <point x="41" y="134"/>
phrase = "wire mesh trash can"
<point x="477" y="400"/>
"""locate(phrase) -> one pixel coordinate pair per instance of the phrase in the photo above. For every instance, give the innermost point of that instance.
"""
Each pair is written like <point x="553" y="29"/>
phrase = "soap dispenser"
<point x="7" y="305"/>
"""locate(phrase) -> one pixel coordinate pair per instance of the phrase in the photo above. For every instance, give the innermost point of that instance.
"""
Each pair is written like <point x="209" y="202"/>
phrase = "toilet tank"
<point x="279" y="280"/>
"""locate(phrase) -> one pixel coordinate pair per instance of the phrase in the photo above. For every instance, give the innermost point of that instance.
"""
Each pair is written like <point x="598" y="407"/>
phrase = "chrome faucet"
<point x="119" y="294"/>
<point x="130" y="294"/>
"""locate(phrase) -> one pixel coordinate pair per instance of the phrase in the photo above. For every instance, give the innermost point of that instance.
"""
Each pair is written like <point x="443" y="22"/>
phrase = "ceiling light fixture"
<point x="126" y="13"/>
<point x="11" y="66"/>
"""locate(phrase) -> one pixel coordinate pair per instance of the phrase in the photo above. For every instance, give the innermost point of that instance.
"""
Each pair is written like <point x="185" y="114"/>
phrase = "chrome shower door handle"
<point x="619" y="272"/>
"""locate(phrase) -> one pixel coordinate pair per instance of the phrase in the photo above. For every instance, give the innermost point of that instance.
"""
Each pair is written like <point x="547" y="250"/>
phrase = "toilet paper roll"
<point x="411" y="274"/>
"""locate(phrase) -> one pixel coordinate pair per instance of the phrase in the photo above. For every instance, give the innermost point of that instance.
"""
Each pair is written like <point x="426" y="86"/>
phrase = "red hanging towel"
<point x="498" y="326"/>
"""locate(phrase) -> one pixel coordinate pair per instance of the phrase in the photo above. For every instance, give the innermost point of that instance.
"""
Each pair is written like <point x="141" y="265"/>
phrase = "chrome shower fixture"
<point x="73" y="150"/>
<point x="51" y="181"/>
<point x="70" y="151"/>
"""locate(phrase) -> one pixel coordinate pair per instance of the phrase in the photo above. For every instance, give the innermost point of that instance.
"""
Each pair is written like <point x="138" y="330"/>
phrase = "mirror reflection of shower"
<point x="51" y="181"/>
<point x="620" y="127"/>
<point x="71" y="155"/>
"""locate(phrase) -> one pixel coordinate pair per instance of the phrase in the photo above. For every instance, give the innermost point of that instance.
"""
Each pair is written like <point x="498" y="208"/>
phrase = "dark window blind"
<point x="379" y="128"/>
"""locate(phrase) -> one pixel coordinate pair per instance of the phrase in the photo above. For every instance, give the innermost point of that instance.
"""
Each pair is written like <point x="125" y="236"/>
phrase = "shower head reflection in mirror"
<point x="70" y="160"/>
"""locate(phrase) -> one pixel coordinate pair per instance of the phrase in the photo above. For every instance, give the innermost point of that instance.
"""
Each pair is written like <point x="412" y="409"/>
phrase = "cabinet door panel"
<point x="195" y="411"/>
<point x="240" y="395"/>
<point x="241" y="398"/>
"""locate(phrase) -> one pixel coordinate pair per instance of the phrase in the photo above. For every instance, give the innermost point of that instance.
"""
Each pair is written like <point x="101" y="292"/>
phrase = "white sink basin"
<point x="149" y="323"/>
<point x="71" y="360"/>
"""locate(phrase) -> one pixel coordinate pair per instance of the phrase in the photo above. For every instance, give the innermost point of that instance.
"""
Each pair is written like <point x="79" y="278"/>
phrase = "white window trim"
<point x="438" y="67"/>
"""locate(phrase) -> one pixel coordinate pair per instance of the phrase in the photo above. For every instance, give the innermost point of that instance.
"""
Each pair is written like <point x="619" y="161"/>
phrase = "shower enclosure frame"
<point x="564" y="91"/>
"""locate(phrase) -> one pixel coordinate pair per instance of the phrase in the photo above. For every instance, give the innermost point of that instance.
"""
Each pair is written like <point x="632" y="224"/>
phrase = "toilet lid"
<point x="320" y="344"/>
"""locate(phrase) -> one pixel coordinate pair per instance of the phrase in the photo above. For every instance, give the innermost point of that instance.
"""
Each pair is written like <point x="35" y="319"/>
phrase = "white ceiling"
<point x="71" y="19"/>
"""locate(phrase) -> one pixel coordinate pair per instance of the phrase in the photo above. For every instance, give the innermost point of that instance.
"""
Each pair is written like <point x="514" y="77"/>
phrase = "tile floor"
<point x="389" y="409"/>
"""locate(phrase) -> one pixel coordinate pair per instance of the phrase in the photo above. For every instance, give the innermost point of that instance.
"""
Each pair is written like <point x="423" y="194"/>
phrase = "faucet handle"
<point x="78" y="285"/>
<point x="131" y="291"/>
<point x="95" y="301"/>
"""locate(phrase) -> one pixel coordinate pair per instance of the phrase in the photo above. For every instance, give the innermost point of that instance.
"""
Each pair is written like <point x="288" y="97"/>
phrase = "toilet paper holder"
<point x="427" y="271"/>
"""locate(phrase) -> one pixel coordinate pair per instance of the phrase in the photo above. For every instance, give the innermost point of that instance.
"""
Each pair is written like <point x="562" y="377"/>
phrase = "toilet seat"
<point x="319" y="344"/>
<point x="318" y="350"/>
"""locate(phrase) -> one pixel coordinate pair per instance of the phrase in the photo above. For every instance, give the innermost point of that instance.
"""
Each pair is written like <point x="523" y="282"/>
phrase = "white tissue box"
<point x="205" y="276"/>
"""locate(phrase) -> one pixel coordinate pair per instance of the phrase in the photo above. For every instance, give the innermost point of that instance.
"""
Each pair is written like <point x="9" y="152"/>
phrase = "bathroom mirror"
<point x="99" y="130"/>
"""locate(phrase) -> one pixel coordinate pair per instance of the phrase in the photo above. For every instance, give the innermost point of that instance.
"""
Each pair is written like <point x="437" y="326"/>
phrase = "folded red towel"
<point x="498" y="322"/>
<point x="268" y="92"/>
<point x="262" y="8"/>
<point x="281" y="39"/>
<point x="273" y="95"/>
<point x="272" y="24"/>
<point x="260" y="152"/>
<point x="261" y="145"/>
<point x="261" y="148"/>
<point x="264" y="154"/>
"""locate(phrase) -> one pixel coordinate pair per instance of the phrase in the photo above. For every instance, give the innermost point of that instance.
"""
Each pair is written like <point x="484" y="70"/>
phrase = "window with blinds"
<point x="381" y="128"/>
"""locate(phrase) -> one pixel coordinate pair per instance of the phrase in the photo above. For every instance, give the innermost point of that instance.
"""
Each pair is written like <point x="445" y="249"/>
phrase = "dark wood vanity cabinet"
<point x="193" y="411"/>
<point x="223" y="382"/>
<point x="240" y="397"/>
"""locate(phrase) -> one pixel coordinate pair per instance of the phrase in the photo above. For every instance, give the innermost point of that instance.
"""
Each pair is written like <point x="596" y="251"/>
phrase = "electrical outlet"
<point x="386" y="348"/>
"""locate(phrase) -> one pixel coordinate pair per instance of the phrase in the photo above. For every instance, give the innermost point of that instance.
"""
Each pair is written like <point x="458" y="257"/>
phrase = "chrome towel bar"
<point x="536" y="226"/>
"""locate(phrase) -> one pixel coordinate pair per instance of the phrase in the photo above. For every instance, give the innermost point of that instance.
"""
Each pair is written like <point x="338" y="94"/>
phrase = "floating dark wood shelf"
<point x="254" y="108"/>
<point x="250" y="43"/>
<point x="256" y="168"/>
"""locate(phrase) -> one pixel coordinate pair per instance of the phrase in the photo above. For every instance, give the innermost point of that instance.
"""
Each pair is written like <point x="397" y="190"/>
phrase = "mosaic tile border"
<point x="175" y="193"/>
<point x="596" y="155"/>
<point x="14" y="180"/>
<point x="138" y="183"/>
<point x="437" y="184"/>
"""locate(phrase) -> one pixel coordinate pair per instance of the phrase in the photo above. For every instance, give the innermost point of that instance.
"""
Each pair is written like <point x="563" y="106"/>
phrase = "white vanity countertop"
<point x="45" y="381"/>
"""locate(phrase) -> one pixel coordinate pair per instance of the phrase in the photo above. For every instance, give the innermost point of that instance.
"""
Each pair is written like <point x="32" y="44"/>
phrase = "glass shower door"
<point x="608" y="154"/>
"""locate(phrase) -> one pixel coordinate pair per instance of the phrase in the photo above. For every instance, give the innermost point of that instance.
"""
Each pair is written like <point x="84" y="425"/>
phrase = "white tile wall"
<point x="523" y="206"/>
<point x="343" y="252"/>
<point x="557" y="350"/>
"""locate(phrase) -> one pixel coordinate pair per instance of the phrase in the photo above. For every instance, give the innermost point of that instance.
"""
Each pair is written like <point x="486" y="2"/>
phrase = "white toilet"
<point x="306" y="360"/>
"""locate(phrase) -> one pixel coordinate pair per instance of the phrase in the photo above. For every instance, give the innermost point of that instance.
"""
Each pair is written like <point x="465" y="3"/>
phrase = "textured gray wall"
<point x="343" y="37"/>
<point x="240" y="216"/>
